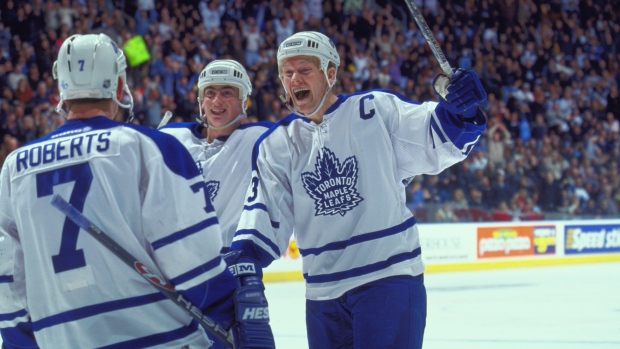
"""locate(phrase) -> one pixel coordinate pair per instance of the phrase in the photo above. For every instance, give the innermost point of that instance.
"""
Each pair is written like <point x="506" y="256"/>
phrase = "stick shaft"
<point x="430" y="38"/>
<point x="165" y="119"/>
<point x="156" y="281"/>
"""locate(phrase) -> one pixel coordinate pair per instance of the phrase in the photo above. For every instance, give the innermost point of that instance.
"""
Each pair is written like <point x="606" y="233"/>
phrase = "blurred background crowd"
<point x="551" y="70"/>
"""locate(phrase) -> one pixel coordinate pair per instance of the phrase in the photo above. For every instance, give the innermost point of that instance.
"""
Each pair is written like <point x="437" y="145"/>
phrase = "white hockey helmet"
<point x="88" y="66"/>
<point x="310" y="43"/>
<point x="225" y="72"/>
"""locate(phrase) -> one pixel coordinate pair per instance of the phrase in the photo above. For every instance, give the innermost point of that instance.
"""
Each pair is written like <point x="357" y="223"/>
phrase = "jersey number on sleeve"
<point x="254" y="190"/>
<point x="69" y="257"/>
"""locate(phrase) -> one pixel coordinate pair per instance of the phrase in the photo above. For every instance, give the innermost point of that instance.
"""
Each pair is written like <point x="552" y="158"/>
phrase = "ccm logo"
<point x="294" y="43"/>
<point x="242" y="268"/>
<point x="219" y="71"/>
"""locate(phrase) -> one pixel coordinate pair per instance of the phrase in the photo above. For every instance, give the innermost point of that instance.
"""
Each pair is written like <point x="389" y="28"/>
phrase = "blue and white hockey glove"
<point x="461" y="94"/>
<point x="252" y="328"/>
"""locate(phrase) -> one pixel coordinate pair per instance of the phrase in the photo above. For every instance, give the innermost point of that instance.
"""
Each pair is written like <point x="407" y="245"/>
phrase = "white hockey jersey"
<point x="142" y="188"/>
<point x="339" y="186"/>
<point x="226" y="165"/>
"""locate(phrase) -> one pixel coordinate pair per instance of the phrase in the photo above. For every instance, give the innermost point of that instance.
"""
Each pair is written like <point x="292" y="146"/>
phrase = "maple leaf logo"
<point x="332" y="186"/>
<point x="212" y="188"/>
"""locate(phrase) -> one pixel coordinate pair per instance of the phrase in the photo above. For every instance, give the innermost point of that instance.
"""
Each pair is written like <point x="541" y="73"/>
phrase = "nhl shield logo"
<point x="332" y="185"/>
<point x="106" y="83"/>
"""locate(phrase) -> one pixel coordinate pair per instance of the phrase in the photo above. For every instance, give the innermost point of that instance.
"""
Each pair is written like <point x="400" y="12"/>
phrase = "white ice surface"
<point x="558" y="307"/>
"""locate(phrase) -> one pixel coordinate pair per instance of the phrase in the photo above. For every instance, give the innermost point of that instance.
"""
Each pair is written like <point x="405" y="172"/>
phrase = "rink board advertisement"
<point x="505" y="241"/>
<point x="440" y="245"/>
<point x="600" y="238"/>
<point x="510" y="241"/>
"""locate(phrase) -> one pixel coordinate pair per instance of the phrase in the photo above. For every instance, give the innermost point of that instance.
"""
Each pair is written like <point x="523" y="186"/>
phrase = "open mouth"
<point x="217" y="111"/>
<point x="301" y="93"/>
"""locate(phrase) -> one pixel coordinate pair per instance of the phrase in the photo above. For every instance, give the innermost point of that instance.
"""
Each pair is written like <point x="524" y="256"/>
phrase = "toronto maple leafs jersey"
<point x="339" y="186"/>
<point x="143" y="189"/>
<point x="225" y="165"/>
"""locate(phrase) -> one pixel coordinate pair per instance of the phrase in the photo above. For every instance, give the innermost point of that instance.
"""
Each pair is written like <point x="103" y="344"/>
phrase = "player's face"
<point x="221" y="104"/>
<point x="304" y="82"/>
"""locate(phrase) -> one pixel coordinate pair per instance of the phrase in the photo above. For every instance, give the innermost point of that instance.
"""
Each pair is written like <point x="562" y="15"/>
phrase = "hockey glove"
<point x="460" y="94"/>
<point x="252" y="328"/>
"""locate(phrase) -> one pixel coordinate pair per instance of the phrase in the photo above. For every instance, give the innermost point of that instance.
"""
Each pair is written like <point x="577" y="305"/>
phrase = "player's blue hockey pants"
<point x="387" y="313"/>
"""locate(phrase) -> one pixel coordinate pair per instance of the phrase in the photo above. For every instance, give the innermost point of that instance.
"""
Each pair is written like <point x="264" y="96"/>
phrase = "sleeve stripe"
<point x="14" y="315"/>
<point x="438" y="130"/>
<point x="274" y="224"/>
<point x="6" y="279"/>
<point x="265" y="241"/>
<point x="340" y="245"/>
<point x="201" y="269"/>
<point x="183" y="233"/>
<point x="255" y="207"/>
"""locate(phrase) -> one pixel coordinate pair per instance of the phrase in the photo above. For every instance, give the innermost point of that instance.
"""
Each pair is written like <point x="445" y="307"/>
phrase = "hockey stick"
<point x="155" y="280"/>
<point x="165" y="119"/>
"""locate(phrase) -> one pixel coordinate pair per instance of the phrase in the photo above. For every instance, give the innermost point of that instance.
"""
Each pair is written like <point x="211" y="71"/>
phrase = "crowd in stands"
<point x="551" y="70"/>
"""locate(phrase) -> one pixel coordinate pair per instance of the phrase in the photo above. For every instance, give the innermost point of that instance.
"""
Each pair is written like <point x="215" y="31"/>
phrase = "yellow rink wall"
<point x="496" y="245"/>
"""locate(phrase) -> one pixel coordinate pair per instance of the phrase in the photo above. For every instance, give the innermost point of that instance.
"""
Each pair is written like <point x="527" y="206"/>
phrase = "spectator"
<point x="211" y="14"/>
<point x="445" y="213"/>
<point x="459" y="201"/>
<point x="23" y="93"/>
<point x="253" y="40"/>
<point x="549" y="199"/>
<point x="499" y="139"/>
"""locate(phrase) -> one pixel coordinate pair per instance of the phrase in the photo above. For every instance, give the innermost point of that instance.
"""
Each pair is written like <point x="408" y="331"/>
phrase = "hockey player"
<point x="61" y="288"/>
<point x="221" y="146"/>
<point x="334" y="172"/>
<point x="219" y="143"/>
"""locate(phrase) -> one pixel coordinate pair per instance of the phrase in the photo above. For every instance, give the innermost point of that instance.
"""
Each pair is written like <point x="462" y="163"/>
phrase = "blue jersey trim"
<point x="14" y="315"/>
<point x="274" y="224"/>
<point x="367" y="269"/>
<point x="6" y="279"/>
<point x="97" y="309"/>
<point x="266" y="124"/>
<point x="194" y="127"/>
<point x="259" y="236"/>
<point x="282" y="122"/>
<point x="180" y="235"/>
<point x="437" y="130"/>
<point x="210" y="265"/>
<point x="341" y="245"/>
<point x="255" y="207"/>
<point x="342" y="98"/>
<point x="154" y="339"/>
